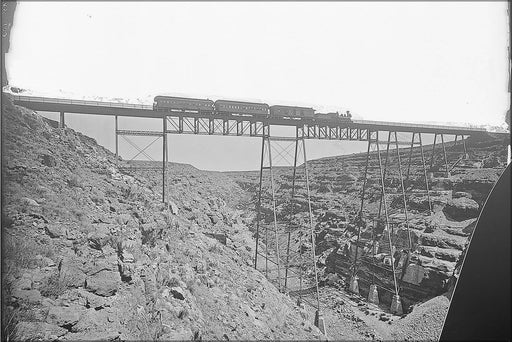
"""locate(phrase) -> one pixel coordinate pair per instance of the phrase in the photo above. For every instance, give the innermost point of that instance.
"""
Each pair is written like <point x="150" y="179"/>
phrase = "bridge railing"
<point x="80" y="102"/>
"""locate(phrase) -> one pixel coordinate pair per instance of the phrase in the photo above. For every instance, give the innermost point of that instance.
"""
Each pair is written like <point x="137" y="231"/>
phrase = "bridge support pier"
<point x="61" y="121"/>
<point x="390" y="160"/>
<point x="449" y="165"/>
<point x="117" y="139"/>
<point x="142" y="151"/>
<point x="319" y="322"/>
<point x="164" y="158"/>
<point x="424" y="166"/>
<point x="286" y="242"/>
<point x="447" y="170"/>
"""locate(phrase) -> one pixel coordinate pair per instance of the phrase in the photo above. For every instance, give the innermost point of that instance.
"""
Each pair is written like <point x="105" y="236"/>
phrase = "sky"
<point x="387" y="61"/>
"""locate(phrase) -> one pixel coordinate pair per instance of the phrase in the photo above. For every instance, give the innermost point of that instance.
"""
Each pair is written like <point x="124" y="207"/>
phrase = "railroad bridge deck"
<point x="232" y="124"/>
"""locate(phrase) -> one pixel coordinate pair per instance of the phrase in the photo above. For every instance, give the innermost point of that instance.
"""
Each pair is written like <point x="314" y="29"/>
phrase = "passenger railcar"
<point x="278" y="111"/>
<point x="241" y="108"/>
<point x="170" y="103"/>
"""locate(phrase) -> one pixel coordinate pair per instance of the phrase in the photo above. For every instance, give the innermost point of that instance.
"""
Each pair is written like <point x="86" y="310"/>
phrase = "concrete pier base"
<point x="320" y="322"/>
<point x="373" y="295"/>
<point x="354" y="285"/>
<point x="396" y="305"/>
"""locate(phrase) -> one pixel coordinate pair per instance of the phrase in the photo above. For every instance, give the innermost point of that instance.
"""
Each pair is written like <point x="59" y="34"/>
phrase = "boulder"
<point x="91" y="320"/>
<point x="87" y="336"/>
<point x="442" y="241"/>
<point x="37" y="331"/>
<point x="461" y="208"/>
<point x="177" y="292"/>
<point x="29" y="202"/>
<point x="31" y="296"/>
<point x="45" y="261"/>
<point x="181" y="334"/>
<point x="104" y="283"/>
<point x="70" y="273"/>
<point x="25" y="282"/>
<point x="63" y="316"/>
<point x="94" y="301"/>
<point x="416" y="201"/>
<point x="127" y="257"/>
<point x="100" y="237"/>
<point x="460" y="194"/>
<point x="55" y="230"/>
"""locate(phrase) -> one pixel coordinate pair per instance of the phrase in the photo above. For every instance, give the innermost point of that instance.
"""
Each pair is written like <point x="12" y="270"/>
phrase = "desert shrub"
<point x="22" y="252"/>
<point x="150" y="235"/>
<point x="132" y="193"/>
<point x="54" y="286"/>
<point x="9" y="320"/>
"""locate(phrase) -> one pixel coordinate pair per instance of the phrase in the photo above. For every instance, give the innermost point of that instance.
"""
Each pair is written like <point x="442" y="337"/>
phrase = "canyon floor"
<point x="90" y="252"/>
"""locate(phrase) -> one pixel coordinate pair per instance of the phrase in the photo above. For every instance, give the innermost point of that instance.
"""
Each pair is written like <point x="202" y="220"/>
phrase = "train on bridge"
<point x="246" y="109"/>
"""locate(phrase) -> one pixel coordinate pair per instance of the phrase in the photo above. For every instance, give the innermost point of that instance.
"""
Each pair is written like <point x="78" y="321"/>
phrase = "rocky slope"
<point x="91" y="253"/>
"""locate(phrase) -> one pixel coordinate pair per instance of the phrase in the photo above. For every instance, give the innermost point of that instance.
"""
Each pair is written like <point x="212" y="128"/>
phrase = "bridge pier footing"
<point x="396" y="305"/>
<point x="354" y="285"/>
<point x="373" y="295"/>
<point x="319" y="322"/>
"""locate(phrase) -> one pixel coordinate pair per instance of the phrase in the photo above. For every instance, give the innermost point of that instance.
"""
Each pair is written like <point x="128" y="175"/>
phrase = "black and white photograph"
<point x="255" y="170"/>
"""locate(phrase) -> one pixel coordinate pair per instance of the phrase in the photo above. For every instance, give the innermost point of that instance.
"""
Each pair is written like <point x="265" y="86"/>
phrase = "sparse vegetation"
<point x="54" y="286"/>
<point x="21" y="253"/>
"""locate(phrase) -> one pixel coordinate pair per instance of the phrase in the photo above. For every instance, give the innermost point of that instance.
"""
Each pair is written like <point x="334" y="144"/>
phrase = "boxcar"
<point x="243" y="108"/>
<point x="169" y="103"/>
<point x="279" y="111"/>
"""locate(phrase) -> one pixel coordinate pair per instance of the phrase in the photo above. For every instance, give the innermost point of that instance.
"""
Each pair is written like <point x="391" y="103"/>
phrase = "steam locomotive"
<point x="247" y="109"/>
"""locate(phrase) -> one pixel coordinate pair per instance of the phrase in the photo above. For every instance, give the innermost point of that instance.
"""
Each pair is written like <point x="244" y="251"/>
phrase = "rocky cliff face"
<point x="438" y="239"/>
<point x="91" y="253"/>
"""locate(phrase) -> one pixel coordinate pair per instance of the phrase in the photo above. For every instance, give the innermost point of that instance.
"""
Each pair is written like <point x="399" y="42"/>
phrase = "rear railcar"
<point x="183" y="104"/>
<point x="242" y="108"/>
